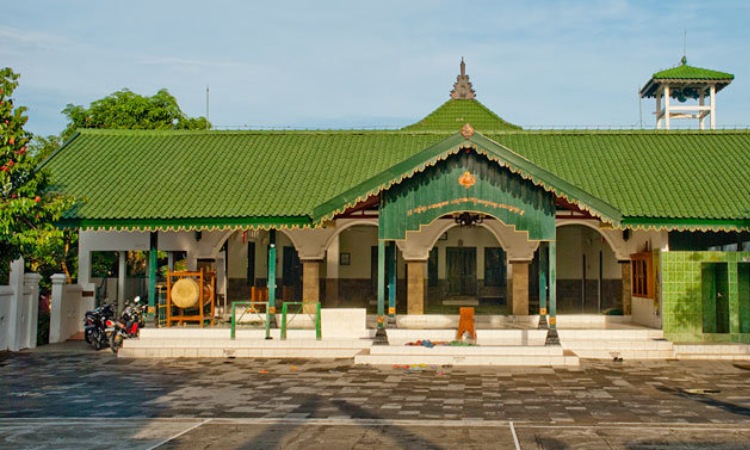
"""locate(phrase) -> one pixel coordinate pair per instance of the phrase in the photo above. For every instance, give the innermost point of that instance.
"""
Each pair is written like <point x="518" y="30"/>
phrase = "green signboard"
<point x="467" y="182"/>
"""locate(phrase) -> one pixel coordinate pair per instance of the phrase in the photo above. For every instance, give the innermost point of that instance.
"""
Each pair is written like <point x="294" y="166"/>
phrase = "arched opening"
<point x="589" y="277"/>
<point x="247" y="265"/>
<point x="351" y="268"/>
<point x="467" y="266"/>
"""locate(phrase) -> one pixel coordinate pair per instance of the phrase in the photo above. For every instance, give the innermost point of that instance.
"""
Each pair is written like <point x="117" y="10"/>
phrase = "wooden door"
<point x="461" y="270"/>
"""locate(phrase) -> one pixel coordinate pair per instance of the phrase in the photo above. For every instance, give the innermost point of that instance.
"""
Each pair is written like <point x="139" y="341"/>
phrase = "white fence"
<point x="68" y="307"/>
<point x="19" y="309"/>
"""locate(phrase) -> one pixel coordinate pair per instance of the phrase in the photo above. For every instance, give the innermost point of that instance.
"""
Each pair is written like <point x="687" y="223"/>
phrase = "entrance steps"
<point x="713" y="351"/>
<point x="495" y="348"/>
<point x="468" y="356"/>
<point x="187" y="342"/>
<point x="636" y="343"/>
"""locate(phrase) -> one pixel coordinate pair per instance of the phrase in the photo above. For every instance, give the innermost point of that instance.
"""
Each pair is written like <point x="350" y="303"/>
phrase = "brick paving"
<point x="96" y="384"/>
<point x="597" y="395"/>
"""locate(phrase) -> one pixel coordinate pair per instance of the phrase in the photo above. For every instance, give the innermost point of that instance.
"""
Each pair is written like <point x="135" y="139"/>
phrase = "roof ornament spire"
<point x="463" y="89"/>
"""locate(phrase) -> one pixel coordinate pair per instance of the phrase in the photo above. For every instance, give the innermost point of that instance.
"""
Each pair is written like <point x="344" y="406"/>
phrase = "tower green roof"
<point x="685" y="74"/>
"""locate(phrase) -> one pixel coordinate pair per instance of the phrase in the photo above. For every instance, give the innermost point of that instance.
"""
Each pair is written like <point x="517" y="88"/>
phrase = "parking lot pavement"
<point x="68" y="397"/>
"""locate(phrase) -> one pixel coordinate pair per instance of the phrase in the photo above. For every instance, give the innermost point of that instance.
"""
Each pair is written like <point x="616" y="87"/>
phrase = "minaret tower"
<point x="683" y="83"/>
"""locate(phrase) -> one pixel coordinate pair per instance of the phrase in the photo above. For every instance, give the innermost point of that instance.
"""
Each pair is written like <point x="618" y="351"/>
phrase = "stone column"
<point x="627" y="298"/>
<point x="56" y="313"/>
<point x="332" y="273"/>
<point x="520" y="288"/>
<point x="16" y="312"/>
<point x="310" y="285"/>
<point x="31" y="283"/>
<point x="415" y="287"/>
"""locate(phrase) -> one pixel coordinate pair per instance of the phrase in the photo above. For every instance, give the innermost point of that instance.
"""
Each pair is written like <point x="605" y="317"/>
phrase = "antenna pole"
<point x="684" y="44"/>
<point x="640" y="107"/>
<point x="207" y="122"/>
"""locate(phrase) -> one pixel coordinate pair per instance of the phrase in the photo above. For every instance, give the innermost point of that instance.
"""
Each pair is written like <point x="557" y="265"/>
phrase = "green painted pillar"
<point x="381" y="337"/>
<point x="391" y="254"/>
<point x="552" y="337"/>
<point x="152" y="269"/>
<point x="272" y="273"/>
<point x="543" y="261"/>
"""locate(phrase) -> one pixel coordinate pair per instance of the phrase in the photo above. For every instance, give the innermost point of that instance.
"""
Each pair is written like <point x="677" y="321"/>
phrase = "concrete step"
<point x="610" y="334"/>
<point x="626" y="344"/>
<point x="468" y="356"/>
<point x="401" y="336"/>
<point x="624" y="354"/>
<point x="617" y="345"/>
<point x="713" y="351"/>
<point x="237" y="352"/>
<point x="246" y="345"/>
<point x="246" y="342"/>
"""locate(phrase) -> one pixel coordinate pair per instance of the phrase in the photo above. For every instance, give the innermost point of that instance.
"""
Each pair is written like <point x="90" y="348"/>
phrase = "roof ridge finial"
<point x="463" y="89"/>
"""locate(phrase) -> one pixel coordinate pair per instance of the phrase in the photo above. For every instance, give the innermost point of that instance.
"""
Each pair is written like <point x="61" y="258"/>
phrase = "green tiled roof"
<point x="689" y="176"/>
<point x="455" y="113"/>
<point x="686" y="74"/>
<point x="220" y="177"/>
<point x="212" y="178"/>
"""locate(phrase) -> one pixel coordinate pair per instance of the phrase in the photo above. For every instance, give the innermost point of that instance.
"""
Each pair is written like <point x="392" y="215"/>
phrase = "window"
<point x="642" y="270"/>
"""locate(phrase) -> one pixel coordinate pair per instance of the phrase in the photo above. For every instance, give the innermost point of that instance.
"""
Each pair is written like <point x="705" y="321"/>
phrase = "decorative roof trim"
<point x="189" y="224"/>
<point x="495" y="152"/>
<point x="673" y="224"/>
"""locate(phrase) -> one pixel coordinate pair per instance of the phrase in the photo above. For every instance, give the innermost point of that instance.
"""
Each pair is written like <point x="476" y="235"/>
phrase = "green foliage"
<point x="42" y="147"/>
<point x="28" y="204"/>
<point x="127" y="110"/>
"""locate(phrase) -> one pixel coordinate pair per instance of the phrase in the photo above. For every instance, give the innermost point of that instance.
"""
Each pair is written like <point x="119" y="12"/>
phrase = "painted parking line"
<point x="171" y="438"/>
<point x="295" y="433"/>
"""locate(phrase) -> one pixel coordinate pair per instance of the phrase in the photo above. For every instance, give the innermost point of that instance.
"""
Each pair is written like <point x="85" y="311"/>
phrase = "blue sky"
<point x="343" y="64"/>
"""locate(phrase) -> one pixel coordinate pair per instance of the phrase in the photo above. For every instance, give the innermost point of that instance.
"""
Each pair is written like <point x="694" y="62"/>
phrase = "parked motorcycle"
<point x="128" y="325"/>
<point x="95" y="326"/>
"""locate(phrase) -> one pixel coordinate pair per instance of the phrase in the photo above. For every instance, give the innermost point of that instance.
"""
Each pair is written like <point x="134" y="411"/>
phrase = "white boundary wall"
<point x="68" y="308"/>
<point x="19" y="309"/>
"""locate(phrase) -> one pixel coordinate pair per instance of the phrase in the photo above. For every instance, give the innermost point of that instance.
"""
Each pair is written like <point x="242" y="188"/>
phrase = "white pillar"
<point x="701" y="116"/>
<point x="332" y="270"/>
<point x="122" y="275"/>
<point x="658" y="108"/>
<point x="713" y="107"/>
<point x="31" y="284"/>
<point x="56" y="313"/>
<point x="667" y="111"/>
<point x="15" y="313"/>
<point x="332" y="258"/>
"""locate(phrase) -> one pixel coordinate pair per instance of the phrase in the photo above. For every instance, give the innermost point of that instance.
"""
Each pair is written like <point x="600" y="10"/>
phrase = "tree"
<point x="127" y="110"/>
<point x="29" y="207"/>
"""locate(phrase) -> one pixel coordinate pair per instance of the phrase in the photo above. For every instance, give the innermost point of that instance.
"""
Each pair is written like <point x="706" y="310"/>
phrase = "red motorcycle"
<point x="128" y="326"/>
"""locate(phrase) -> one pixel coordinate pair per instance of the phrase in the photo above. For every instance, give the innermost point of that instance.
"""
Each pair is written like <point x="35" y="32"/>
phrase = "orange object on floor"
<point x="466" y="323"/>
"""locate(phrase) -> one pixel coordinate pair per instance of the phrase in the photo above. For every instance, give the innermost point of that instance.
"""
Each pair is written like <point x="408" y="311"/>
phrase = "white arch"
<point x="616" y="244"/>
<point x="227" y="234"/>
<point x="344" y="224"/>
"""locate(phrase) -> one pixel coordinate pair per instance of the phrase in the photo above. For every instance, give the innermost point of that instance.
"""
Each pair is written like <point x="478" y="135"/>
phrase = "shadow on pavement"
<point x="706" y="399"/>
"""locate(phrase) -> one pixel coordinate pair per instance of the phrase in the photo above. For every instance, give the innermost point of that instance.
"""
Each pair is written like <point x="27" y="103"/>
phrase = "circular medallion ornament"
<point x="467" y="131"/>
<point x="467" y="180"/>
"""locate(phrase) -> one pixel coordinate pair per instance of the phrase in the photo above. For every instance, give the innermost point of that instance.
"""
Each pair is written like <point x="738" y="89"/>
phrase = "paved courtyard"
<point x="66" y="396"/>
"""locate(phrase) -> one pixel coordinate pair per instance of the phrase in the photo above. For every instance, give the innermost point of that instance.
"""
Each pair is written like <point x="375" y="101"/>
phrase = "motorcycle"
<point x="128" y="326"/>
<point x="95" y="326"/>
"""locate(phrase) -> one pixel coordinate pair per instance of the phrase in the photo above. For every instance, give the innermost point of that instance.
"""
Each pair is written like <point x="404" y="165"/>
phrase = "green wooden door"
<point x="461" y="271"/>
